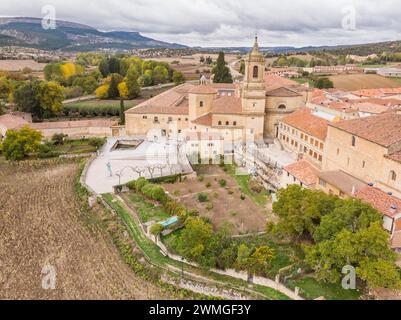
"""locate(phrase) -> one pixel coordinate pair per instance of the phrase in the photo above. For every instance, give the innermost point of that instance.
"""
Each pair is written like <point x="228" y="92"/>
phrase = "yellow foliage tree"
<point x="123" y="90"/>
<point x="103" y="91"/>
<point x="70" y="69"/>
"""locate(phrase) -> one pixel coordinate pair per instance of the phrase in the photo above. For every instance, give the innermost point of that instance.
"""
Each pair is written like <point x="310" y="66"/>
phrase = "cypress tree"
<point x="113" y="88"/>
<point x="221" y="71"/>
<point x="122" y="112"/>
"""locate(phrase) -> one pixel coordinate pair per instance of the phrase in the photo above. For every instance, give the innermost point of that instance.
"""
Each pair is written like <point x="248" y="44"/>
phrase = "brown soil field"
<point x="42" y="223"/>
<point x="363" y="81"/>
<point x="19" y="65"/>
<point x="241" y="216"/>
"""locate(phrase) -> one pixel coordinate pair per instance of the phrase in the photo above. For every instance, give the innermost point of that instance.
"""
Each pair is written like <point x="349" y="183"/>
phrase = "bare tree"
<point x="139" y="171"/>
<point x="161" y="167"/>
<point x="151" y="170"/>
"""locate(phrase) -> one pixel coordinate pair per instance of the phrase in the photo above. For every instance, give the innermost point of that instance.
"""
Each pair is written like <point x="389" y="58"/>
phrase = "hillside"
<point x="69" y="36"/>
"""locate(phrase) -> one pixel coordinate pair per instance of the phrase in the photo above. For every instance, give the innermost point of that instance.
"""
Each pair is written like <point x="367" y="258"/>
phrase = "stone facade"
<point x="254" y="106"/>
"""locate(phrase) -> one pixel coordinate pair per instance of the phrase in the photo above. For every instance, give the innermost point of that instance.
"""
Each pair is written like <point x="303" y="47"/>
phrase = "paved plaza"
<point x="149" y="159"/>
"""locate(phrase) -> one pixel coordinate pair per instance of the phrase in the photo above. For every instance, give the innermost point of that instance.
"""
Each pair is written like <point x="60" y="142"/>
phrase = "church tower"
<point x="253" y="89"/>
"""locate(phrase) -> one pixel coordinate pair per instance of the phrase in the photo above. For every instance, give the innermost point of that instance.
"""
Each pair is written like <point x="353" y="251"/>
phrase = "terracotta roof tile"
<point x="396" y="156"/>
<point x="173" y="101"/>
<point x="380" y="200"/>
<point x="303" y="171"/>
<point x="227" y="105"/>
<point x="205" y="120"/>
<point x="203" y="89"/>
<point x="305" y="121"/>
<point x="383" y="129"/>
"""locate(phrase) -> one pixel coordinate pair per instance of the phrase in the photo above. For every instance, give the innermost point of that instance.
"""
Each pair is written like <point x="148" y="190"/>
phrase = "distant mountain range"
<point x="69" y="36"/>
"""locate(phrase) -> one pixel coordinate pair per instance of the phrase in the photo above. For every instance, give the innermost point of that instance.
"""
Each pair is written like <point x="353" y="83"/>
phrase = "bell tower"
<point x="253" y="90"/>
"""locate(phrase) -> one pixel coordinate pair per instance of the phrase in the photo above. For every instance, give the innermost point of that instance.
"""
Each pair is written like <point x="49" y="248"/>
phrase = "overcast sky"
<point x="231" y="22"/>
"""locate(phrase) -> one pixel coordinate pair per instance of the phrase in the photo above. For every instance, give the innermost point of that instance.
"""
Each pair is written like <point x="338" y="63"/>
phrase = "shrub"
<point x="201" y="178"/>
<point x="58" y="139"/>
<point x="156" y="229"/>
<point x="230" y="192"/>
<point x="243" y="197"/>
<point x="255" y="186"/>
<point x="193" y="213"/>
<point x="203" y="197"/>
<point x="209" y="206"/>
<point x="223" y="183"/>
<point x="208" y="185"/>
<point x="96" y="142"/>
<point x="140" y="183"/>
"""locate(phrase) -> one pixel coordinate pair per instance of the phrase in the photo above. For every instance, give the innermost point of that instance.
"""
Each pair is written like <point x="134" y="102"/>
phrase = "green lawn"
<point x="76" y="147"/>
<point x="312" y="289"/>
<point x="151" y="250"/>
<point x="146" y="210"/>
<point x="260" y="199"/>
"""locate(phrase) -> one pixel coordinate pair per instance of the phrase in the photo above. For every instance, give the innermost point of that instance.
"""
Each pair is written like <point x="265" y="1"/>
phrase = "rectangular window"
<point x="322" y="183"/>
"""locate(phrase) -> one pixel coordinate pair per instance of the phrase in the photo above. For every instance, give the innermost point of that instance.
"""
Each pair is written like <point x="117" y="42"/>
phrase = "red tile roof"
<point x="227" y="105"/>
<point x="303" y="171"/>
<point x="396" y="156"/>
<point x="383" y="129"/>
<point x="305" y="121"/>
<point x="173" y="101"/>
<point x="380" y="200"/>
<point x="203" y="89"/>
<point x="205" y="120"/>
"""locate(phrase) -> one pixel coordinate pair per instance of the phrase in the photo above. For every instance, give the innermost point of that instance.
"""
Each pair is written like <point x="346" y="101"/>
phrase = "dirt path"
<point x="41" y="224"/>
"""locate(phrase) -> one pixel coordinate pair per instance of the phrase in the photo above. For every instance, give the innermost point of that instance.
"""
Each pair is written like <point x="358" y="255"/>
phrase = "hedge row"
<point x="157" y="193"/>
<point x="83" y="110"/>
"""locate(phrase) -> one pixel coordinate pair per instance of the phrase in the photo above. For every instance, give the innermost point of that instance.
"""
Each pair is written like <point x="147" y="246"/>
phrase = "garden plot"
<point x="217" y="196"/>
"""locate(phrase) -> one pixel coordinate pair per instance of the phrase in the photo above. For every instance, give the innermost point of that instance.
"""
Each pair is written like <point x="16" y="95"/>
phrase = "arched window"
<point x="255" y="72"/>
<point x="282" y="106"/>
<point x="219" y="123"/>
<point x="235" y="123"/>
<point x="227" y="123"/>
<point x="393" y="176"/>
<point x="201" y="104"/>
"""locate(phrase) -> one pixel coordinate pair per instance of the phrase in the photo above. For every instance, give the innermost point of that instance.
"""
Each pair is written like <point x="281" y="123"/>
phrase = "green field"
<point x="312" y="289"/>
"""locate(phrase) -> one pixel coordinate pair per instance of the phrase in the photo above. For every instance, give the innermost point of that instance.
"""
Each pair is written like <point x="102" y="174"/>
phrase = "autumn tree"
<point x="40" y="98"/>
<point x="18" y="144"/>
<point x="131" y="81"/>
<point x="300" y="211"/>
<point x="178" y="78"/>
<point x="195" y="241"/>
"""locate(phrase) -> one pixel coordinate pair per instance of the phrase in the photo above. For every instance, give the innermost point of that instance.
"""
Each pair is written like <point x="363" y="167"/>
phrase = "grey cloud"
<point x="229" y="22"/>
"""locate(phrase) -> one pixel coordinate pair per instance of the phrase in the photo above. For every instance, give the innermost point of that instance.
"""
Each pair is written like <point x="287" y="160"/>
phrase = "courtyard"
<point x="142" y="158"/>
